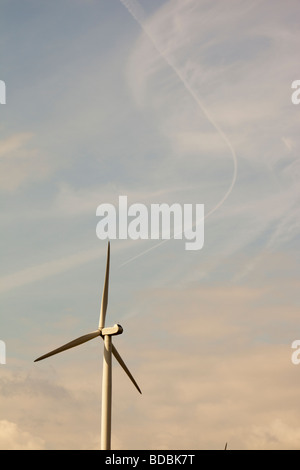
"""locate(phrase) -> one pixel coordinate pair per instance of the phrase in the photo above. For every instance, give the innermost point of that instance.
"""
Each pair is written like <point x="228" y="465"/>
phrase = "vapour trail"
<point x="137" y="13"/>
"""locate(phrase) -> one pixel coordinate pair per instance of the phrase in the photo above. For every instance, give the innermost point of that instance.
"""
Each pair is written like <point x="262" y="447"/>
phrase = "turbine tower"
<point x="109" y="349"/>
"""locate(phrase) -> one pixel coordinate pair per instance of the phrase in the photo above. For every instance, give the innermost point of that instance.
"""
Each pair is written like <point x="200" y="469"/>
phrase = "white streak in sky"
<point x="37" y="273"/>
<point x="137" y="13"/>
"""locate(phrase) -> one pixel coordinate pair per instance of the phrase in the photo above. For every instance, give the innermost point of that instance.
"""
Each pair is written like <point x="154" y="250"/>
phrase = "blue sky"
<point x="169" y="101"/>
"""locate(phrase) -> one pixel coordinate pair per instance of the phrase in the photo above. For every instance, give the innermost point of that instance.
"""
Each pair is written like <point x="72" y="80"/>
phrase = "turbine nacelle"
<point x="111" y="331"/>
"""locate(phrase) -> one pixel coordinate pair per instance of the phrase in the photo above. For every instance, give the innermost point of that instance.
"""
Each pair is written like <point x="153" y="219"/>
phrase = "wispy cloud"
<point x="156" y="111"/>
<point x="44" y="270"/>
<point x="20" y="163"/>
<point x="221" y="56"/>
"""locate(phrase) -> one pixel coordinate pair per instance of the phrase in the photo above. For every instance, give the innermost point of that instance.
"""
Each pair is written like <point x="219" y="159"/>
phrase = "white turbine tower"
<point x="109" y="349"/>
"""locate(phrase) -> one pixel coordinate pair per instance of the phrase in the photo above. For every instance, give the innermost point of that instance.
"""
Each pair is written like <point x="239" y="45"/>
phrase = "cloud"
<point x="14" y="438"/>
<point x="226" y="59"/>
<point x="41" y="403"/>
<point x="216" y="370"/>
<point x="207" y="335"/>
<point x="20" y="164"/>
<point x="277" y="435"/>
<point x="45" y="270"/>
<point x="214" y="366"/>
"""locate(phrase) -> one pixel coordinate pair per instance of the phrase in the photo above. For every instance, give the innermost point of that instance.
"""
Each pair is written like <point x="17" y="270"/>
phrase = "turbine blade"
<point x="123" y="365"/>
<point x="105" y="291"/>
<point x="72" y="344"/>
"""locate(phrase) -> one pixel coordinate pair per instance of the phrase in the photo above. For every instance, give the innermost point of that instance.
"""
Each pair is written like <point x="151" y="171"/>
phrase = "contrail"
<point x="137" y="13"/>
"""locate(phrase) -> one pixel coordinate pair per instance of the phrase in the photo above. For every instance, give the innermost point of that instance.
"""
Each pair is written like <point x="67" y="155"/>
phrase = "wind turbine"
<point x="109" y="349"/>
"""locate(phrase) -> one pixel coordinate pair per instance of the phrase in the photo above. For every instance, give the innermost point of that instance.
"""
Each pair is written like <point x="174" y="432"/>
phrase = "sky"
<point x="179" y="101"/>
